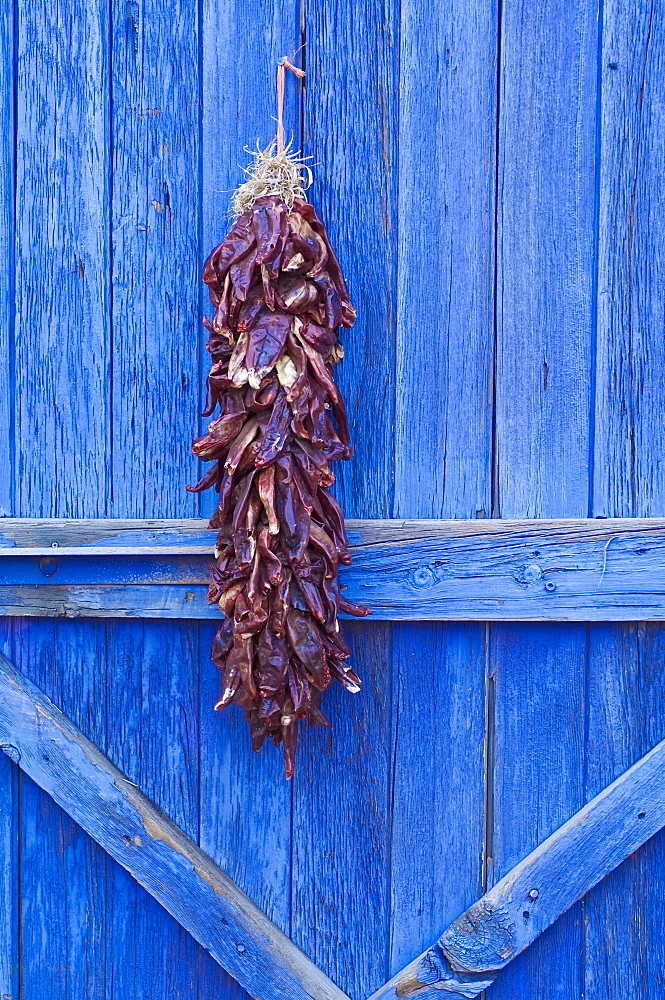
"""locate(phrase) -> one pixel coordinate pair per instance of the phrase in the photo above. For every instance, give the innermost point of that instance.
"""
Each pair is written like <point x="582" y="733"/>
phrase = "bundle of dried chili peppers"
<point x="279" y="297"/>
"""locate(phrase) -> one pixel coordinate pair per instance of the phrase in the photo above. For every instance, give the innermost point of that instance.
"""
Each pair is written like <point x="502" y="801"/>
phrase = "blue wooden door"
<point x="492" y="176"/>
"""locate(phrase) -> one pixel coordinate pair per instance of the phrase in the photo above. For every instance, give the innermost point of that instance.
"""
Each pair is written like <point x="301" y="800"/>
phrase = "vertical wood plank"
<point x="152" y="708"/>
<point x="152" y="687"/>
<point x="9" y="779"/>
<point x="7" y="139"/>
<point x="626" y="661"/>
<point x="61" y="442"/>
<point x="155" y="276"/>
<point x="342" y="787"/>
<point x="245" y="800"/>
<point x="545" y="248"/>
<point x="630" y="408"/>
<point x="443" y="443"/>
<point x="538" y="676"/>
<point x="62" y="302"/>
<point x="544" y="319"/>
<point x="9" y="857"/>
<point x="444" y="245"/>
<point x="624" y="945"/>
<point x="238" y="101"/>
<point x="341" y="825"/>
<point x="439" y="707"/>
<point x="350" y="131"/>
<point x="62" y="872"/>
<point x="9" y="868"/>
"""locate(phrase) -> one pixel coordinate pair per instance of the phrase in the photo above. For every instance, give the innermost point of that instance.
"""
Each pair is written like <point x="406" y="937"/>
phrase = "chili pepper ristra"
<point x="279" y="297"/>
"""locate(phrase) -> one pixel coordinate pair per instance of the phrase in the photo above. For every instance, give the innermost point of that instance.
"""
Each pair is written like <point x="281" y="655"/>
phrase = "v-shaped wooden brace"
<point x="464" y="961"/>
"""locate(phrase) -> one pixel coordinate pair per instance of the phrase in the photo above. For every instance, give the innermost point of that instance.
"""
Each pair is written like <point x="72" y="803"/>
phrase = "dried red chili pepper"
<point x="279" y="296"/>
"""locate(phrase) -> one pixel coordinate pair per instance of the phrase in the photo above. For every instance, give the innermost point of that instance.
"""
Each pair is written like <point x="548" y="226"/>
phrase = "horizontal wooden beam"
<point x="493" y="931"/>
<point x="49" y="748"/>
<point x="576" y="570"/>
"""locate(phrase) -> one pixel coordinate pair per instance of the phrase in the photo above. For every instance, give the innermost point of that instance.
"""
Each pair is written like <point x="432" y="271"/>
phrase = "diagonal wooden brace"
<point x="470" y="954"/>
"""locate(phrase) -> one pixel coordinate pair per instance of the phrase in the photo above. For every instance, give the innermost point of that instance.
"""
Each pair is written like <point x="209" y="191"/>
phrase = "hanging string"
<point x="282" y="65"/>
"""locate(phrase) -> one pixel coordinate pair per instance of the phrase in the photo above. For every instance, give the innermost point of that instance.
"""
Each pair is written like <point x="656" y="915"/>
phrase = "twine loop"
<point x="282" y="65"/>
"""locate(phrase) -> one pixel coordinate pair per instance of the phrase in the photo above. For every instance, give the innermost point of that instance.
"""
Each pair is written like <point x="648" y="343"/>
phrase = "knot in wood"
<point x="529" y="574"/>
<point x="427" y="575"/>
<point x="480" y="940"/>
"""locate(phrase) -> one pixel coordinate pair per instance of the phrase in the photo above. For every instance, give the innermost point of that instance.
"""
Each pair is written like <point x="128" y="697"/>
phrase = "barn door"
<point x="489" y="174"/>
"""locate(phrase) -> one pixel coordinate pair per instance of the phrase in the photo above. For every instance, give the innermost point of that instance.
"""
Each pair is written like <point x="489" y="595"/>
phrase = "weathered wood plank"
<point x="153" y="666"/>
<point x="545" y="251"/>
<point x="545" y="311"/>
<point x="577" y="570"/>
<point x="62" y="259"/>
<point x="9" y="780"/>
<point x="439" y="705"/>
<point x="60" y="449"/>
<point x="155" y="264"/>
<point x="341" y="794"/>
<point x="444" y="247"/>
<point x="7" y="276"/>
<point x="244" y="799"/>
<point x="629" y="479"/>
<point x="535" y="768"/>
<point x="444" y="242"/>
<point x="625" y="952"/>
<point x="50" y="749"/>
<point x="152" y="733"/>
<point x="9" y="855"/>
<point x="9" y="852"/>
<point x="507" y="919"/>
<point x="162" y="534"/>
<point x="623" y="915"/>
<point x="63" y="871"/>
<point x="341" y="821"/>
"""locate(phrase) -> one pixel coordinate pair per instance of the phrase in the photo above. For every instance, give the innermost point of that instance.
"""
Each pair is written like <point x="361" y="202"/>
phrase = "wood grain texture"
<point x="444" y="246"/>
<point x="62" y="297"/>
<point x="547" y="129"/>
<point x="9" y="790"/>
<point x="7" y="197"/>
<point x="109" y="130"/>
<point x="536" y="727"/>
<point x="61" y="438"/>
<point x="9" y="853"/>
<point x="183" y="535"/>
<point x="443" y="442"/>
<point x="155" y="142"/>
<point x="244" y="801"/>
<point x="584" y="570"/>
<point x="342" y="786"/>
<point x="350" y="131"/>
<point x="508" y="918"/>
<point x="622" y="914"/>
<point x="153" y="667"/>
<point x="626" y="662"/>
<point x="545" y="246"/>
<point x="62" y="871"/>
<point x="9" y="837"/>
<point x="439" y="706"/>
<point x="240" y="46"/>
<point x="152" y="735"/>
<point x="341" y="824"/>
<point x="159" y="855"/>
<point x="630" y="403"/>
